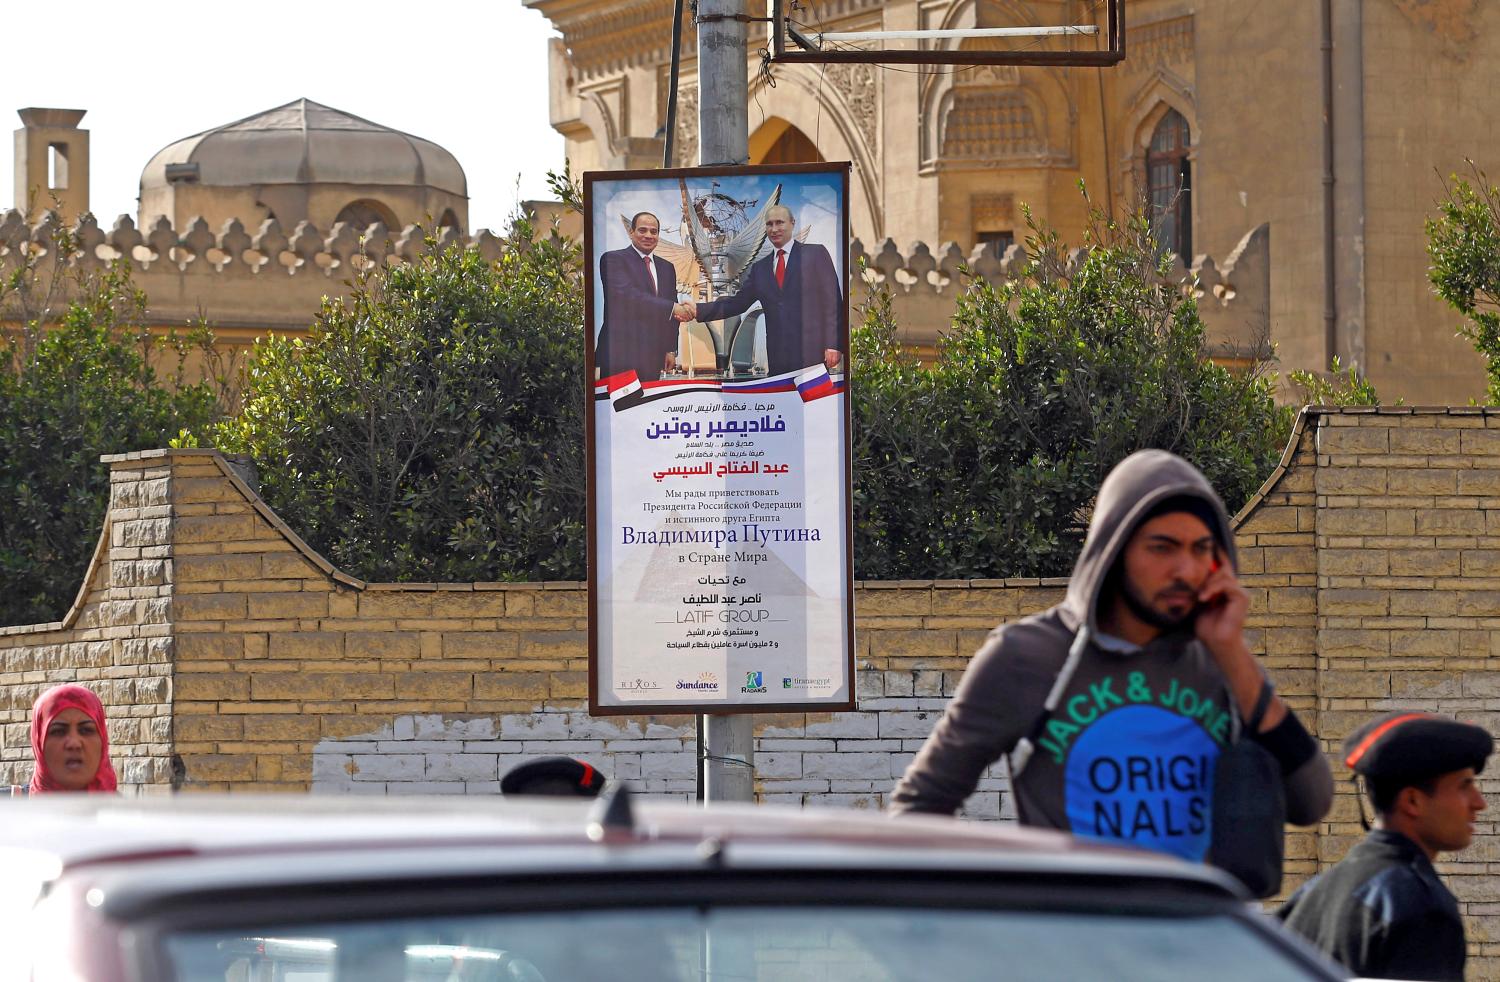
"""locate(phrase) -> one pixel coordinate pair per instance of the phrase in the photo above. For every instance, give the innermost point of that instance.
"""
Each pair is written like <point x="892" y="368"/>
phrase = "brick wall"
<point x="1408" y="564"/>
<point x="234" y="657"/>
<point x="116" y="638"/>
<point x="285" y="674"/>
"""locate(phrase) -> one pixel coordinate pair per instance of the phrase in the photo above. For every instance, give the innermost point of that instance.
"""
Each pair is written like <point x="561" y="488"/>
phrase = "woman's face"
<point x="72" y="749"/>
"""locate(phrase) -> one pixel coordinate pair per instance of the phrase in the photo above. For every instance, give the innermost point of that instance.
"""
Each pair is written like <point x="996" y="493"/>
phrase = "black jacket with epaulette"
<point x="1382" y="912"/>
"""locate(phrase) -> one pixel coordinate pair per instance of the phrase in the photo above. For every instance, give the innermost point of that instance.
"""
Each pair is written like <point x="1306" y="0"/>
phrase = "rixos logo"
<point x="754" y="682"/>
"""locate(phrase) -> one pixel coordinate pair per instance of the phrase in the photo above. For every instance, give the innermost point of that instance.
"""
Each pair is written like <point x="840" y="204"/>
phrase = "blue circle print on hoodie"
<point x="1143" y="776"/>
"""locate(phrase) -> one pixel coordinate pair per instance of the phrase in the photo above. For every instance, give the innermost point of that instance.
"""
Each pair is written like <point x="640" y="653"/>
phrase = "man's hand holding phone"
<point x="1222" y="607"/>
<point x="1220" y="625"/>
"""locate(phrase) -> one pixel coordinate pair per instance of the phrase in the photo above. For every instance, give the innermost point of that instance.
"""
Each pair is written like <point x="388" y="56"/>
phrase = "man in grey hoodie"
<point x="1114" y="705"/>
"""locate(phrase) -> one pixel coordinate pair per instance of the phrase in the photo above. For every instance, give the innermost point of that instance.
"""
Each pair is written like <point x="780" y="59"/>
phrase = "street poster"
<point x="720" y="550"/>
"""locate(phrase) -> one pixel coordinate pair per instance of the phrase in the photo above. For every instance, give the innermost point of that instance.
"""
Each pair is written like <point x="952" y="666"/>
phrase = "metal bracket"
<point x="742" y="18"/>
<point x="725" y="760"/>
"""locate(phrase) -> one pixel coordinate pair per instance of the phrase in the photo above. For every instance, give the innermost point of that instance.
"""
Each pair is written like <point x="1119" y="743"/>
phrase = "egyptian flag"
<point x="624" y="390"/>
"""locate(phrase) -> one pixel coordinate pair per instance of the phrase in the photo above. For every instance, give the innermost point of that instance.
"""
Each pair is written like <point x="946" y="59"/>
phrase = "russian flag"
<point x="815" y="383"/>
<point x="776" y="383"/>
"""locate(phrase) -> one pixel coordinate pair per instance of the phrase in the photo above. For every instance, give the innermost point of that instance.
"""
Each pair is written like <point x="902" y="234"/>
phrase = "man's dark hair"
<point x="1382" y="792"/>
<point x="636" y="219"/>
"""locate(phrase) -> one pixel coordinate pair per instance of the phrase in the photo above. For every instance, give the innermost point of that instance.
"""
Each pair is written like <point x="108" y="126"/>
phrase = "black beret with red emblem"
<point x="558" y="776"/>
<point x="1408" y="746"/>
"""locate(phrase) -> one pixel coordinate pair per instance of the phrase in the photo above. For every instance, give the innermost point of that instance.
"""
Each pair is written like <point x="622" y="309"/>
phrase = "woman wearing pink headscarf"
<point x="70" y="742"/>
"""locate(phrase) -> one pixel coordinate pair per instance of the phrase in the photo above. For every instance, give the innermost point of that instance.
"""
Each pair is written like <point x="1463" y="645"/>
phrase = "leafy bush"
<point x="430" y="426"/>
<point x="985" y="464"/>
<point x="72" y="387"/>
<point x="1464" y="245"/>
<point x="1341" y="386"/>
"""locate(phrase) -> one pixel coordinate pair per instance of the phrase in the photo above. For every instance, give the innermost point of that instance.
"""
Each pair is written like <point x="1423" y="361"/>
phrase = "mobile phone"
<point x="1201" y="606"/>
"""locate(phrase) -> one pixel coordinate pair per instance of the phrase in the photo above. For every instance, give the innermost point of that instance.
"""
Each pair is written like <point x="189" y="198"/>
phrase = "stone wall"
<point x="232" y="656"/>
<point x="278" y="672"/>
<point x="116" y="638"/>
<point x="1408" y="562"/>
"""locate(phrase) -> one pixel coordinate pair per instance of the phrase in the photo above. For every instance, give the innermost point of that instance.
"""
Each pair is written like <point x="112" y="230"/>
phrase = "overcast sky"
<point x="469" y="76"/>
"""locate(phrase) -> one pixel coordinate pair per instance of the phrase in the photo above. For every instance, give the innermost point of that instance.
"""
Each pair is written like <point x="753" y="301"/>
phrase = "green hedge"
<point x="430" y="426"/>
<point x="986" y="463"/>
<point x="86" y="386"/>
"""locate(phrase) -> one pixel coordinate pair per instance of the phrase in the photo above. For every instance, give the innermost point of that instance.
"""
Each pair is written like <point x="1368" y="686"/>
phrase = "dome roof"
<point x="304" y="142"/>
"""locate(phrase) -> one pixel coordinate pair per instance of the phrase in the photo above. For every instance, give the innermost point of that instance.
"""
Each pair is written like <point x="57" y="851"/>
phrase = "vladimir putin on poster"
<point x="798" y="289"/>
<point x="640" y="297"/>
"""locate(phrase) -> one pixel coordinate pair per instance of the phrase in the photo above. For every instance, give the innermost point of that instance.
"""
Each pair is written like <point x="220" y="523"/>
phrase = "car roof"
<point x="200" y="838"/>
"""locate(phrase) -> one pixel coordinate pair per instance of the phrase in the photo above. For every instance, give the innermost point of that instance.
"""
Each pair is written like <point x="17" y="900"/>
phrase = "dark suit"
<point x="638" y="327"/>
<point x="801" y="317"/>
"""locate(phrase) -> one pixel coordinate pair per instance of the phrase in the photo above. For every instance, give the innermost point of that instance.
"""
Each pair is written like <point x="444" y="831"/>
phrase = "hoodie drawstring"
<point x="1026" y="746"/>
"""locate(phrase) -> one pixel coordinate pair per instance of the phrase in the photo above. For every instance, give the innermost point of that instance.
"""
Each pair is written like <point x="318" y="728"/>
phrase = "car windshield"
<point x="744" y="943"/>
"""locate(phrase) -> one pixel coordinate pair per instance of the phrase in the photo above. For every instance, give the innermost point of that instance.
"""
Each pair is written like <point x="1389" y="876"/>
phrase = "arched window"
<point x="366" y="212"/>
<point x="779" y="142"/>
<point x="1169" y="183"/>
<point x="449" y="220"/>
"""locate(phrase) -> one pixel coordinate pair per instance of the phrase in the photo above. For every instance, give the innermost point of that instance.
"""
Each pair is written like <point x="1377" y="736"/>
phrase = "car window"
<point x="775" y="945"/>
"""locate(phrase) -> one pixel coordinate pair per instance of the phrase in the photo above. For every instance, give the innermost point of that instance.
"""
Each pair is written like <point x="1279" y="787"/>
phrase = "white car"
<point x="237" y="889"/>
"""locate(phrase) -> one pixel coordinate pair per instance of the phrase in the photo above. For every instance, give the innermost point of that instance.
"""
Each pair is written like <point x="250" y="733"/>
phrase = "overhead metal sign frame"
<point x="792" y="45"/>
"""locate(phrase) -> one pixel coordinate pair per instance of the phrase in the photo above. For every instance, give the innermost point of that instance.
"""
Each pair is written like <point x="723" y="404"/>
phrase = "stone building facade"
<point x="233" y="657"/>
<point x="1224" y="101"/>
<point x="250" y="224"/>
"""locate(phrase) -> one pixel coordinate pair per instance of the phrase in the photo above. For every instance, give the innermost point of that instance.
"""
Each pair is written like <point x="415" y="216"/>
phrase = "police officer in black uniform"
<point x="1382" y="911"/>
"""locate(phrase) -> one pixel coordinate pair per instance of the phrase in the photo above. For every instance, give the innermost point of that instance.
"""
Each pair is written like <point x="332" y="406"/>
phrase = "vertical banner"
<point x="720" y="550"/>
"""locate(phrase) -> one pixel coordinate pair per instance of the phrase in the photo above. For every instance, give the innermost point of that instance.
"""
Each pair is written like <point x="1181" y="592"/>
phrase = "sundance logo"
<point x="705" y="682"/>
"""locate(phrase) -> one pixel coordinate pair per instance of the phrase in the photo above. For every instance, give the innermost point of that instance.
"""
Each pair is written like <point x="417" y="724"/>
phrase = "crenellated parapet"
<point x="232" y="250"/>
<point x="1234" y="296"/>
<point x="268" y="277"/>
<point x="274" y="279"/>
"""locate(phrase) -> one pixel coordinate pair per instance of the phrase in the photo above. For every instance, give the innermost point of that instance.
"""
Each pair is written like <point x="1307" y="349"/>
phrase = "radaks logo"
<point x="754" y="682"/>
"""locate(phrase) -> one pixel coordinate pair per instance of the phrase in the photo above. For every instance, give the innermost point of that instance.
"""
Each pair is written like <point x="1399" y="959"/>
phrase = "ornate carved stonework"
<point x="993" y="75"/>
<point x="685" y="145"/>
<point x="991" y="124"/>
<point x="1165" y="42"/>
<point x="860" y="87"/>
<point x="993" y="211"/>
<point x="609" y="37"/>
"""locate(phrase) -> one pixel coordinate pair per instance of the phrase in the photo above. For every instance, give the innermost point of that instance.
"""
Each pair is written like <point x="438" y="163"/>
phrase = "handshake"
<point x="685" y="311"/>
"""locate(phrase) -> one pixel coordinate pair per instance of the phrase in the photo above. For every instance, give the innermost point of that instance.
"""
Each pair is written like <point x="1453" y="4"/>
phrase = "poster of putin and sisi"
<point x="718" y="439"/>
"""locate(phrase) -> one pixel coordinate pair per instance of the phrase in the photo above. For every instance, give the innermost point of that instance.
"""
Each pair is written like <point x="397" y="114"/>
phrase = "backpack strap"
<point x="1026" y="746"/>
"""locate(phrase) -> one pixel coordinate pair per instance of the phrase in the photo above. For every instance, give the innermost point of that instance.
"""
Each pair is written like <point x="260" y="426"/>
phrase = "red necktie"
<point x="780" y="268"/>
<point x="651" y="272"/>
